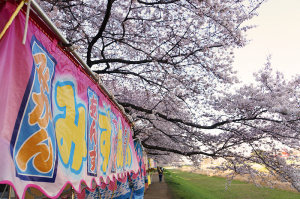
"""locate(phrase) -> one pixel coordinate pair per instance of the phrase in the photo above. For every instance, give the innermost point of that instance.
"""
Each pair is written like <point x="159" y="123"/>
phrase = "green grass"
<point x="186" y="185"/>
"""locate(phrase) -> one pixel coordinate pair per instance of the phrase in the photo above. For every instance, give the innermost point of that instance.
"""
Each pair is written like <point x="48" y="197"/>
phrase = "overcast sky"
<point x="277" y="34"/>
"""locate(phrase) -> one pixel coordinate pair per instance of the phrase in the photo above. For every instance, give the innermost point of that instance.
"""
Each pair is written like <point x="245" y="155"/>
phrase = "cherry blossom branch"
<point x="157" y="2"/>
<point x="173" y="150"/>
<point x="100" y="32"/>
<point x="123" y="61"/>
<point x="178" y="120"/>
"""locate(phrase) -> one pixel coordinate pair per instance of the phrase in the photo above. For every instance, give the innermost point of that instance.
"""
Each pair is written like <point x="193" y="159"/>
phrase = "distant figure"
<point x="160" y="171"/>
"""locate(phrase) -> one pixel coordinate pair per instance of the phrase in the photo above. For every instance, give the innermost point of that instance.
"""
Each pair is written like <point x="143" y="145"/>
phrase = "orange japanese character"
<point x="40" y="99"/>
<point x="41" y="105"/>
<point x="40" y="59"/>
<point x="36" y="148"/>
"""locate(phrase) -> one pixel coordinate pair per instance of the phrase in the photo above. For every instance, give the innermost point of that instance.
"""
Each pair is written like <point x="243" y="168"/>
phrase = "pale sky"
<point x="277" y="34"/>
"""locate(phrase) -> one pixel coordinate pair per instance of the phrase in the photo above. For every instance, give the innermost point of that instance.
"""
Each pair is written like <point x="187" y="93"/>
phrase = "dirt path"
<point x="158" y="190"/>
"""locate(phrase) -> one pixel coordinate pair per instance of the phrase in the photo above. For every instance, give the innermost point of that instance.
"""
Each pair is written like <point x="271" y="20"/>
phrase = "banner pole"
<point x="73" y="194"/>
<point x="15" y="13"/>
<point x="3" y="191"/>
<point x="9" y="193"/>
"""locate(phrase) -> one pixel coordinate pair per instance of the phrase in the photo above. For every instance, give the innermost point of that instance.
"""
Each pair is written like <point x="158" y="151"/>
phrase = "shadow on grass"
<point x="173" y="183"/>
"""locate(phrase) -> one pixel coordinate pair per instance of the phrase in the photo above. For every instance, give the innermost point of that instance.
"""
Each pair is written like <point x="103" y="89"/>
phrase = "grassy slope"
<point x="185" y="185"/>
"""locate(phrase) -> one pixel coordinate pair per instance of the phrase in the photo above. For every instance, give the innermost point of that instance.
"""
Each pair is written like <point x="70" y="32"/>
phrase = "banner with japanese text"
<point x="57" y="126"/>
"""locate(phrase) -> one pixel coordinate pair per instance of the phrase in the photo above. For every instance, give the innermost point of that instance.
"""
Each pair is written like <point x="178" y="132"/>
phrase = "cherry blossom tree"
<point x="270" y="109"/>
<point x="168" y="63"/>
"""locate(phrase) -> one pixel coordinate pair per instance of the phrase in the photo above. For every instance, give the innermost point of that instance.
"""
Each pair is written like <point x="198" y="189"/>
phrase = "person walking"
<point x="160" y="171"/>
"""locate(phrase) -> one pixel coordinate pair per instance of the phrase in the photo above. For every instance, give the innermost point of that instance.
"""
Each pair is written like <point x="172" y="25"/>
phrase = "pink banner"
<point x="57" y="126"/>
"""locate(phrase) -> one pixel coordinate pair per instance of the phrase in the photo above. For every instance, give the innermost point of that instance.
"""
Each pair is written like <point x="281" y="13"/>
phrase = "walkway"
<point x="158" y="190"/>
